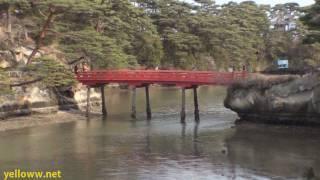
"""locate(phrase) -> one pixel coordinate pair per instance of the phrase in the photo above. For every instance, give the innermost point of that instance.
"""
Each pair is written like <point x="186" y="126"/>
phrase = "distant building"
<point x="283" y="64"/>
<point x="284" y="17"/>
<point x="291" y="26"/>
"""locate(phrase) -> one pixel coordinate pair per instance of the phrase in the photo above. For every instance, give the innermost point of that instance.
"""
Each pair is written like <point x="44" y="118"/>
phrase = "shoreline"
<point x="37" y="120"/>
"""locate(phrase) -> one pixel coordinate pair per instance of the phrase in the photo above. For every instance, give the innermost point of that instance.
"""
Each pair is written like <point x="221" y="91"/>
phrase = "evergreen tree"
<point x="312" y="20"/>
<point x="166" y="33"/>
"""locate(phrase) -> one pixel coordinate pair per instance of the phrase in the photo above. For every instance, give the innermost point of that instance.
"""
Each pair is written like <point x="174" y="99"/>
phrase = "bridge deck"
<point x="143" y="78"/>
<point x="166" y="77"/>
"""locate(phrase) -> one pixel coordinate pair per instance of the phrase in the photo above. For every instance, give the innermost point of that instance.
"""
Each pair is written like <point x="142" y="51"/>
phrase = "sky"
<point x="272" y="2"/>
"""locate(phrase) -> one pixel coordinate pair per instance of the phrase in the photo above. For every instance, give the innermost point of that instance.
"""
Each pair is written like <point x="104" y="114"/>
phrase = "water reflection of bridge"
<point x="144" y="78"/>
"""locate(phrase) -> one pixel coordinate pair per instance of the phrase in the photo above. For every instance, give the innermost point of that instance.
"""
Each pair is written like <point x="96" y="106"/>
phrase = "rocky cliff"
<point x="36" y="99"/>
<point x="277" y="98"/>
<point x="36" y="88"/>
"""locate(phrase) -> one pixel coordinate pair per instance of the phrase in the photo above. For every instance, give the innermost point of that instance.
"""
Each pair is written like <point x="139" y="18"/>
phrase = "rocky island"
<point x="293" y="99"/>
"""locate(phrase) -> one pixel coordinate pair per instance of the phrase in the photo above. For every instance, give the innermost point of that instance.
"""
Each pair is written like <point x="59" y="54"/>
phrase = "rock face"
<point x="277" y="98"/>
<point x="33" y="99"/>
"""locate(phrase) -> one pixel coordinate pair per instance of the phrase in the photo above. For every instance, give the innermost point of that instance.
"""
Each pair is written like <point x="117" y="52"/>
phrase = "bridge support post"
<point x="196" y="104"/>
<point x="149" y="116"/>
<point x="103" y="101"/>
<point x="88" y="101"/>
<point x="133" y="103"/>
<point x="183" y="106"/>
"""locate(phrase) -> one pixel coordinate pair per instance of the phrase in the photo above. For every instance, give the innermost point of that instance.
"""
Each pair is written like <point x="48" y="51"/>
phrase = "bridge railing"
<point x="161" y="77"/>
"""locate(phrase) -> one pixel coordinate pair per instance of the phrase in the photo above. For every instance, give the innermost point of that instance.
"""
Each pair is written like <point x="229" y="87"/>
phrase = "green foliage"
<point x="195" y="36"/>
<point x="18" y="4"/>
<point x="148" y="49"/>
<point x="112" y="34"/>
<point x="52" y="73"/>
<point x="242" y="28"/>
<point x="278" y="44"/>
<point x="4" y="82"/>
<point x="312" y="54"/>
<point x="312" y="20"/>
<point x="101" y="50"/>
<point x="166" y="33"/>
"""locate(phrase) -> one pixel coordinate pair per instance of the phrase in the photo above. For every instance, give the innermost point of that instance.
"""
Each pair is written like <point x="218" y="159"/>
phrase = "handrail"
<point x="160" y="77"/>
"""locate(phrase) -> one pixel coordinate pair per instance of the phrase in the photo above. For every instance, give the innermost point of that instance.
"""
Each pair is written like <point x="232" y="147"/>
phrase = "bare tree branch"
<point x="26" y="82"/>
<point x="42" y="33"/>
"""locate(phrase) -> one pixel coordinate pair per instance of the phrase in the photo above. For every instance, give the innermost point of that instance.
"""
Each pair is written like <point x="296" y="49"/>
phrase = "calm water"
<point x="163" y="149"/>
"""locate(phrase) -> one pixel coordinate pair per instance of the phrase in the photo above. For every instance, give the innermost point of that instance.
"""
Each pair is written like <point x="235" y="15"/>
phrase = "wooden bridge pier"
<point x="88" y="101"/>
<point x="183" y="104"/>
<point x="196" y="104"/>
<point x="133" y="101"/>
<point x="143" y="78"/>
<point x="148" y="107"/>
<point x="103" y="101"/>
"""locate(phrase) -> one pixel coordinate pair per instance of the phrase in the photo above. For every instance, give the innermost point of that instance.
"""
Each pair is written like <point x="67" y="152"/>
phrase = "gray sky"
<point x="272" y="2"/>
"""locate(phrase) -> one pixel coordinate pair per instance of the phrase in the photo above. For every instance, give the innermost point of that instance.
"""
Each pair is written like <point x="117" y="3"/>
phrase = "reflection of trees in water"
<point x="148" y="143"/>
<point x="284" y="152"/>
<point x="195" y="148"/>
<point x="189" y="150"/>
<point x="164" y="145"/>
<point x="260" y="150"/>
<point x="244" y="150"/>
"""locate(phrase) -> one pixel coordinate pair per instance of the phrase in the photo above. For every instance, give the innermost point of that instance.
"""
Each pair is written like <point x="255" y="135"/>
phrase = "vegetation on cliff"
<point x="51" y="73"/>
<point x="153" y="33"/>
<point x="279" y="98"/>
<point x="5" y="84"/>
<point x="312" y="20"/>
<point x="150" y="33"/>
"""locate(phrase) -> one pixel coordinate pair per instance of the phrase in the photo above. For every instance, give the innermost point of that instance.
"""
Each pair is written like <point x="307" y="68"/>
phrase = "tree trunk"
<point x="26" y="36"/>
<point x="9" y="23"/>
<point x="98" y="26"/>
<point x="42" y="34"/>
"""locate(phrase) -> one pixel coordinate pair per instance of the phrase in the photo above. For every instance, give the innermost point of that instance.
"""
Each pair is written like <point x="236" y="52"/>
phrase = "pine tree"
<point x="312" y="20"/>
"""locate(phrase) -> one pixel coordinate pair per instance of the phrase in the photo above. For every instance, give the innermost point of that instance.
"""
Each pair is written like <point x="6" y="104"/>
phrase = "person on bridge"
<point x="76" y="69"/>
<point x="85" y="67"/>
<point x="244" y="68"/>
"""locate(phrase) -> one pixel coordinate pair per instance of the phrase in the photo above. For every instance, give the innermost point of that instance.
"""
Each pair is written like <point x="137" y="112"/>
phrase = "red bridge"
<point x="164" y="77"/>
<point x="143" y="78"/>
